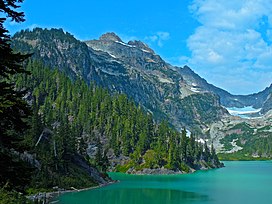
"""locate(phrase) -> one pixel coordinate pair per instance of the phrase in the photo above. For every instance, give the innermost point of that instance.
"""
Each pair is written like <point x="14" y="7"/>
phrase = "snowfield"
<point x="243" y="112"/>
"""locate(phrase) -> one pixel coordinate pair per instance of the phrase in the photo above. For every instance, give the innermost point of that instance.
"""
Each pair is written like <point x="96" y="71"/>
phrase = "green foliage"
<point x="125" y="167"/>
<point x="184" y="144"/>
<point x="184" y="167"/>
<point x="150" y="158"/>
<point x="12" y="197"/>
<point x="240" y="156"/>
<point x="14" y="171"/>
<point x="256" y="144"/>
<point x="14" y="111"/>
<point x="71" y="109"/>
<point x="32" y="191"/>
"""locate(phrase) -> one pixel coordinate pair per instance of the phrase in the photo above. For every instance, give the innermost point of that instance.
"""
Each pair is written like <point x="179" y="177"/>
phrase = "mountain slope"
<point x="131" y="68"/>
<point x="267" y="106"/>
<point x="56" y="49"/>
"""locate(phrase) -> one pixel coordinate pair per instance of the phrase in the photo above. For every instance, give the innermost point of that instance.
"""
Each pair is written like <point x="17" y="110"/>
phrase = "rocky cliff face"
<point x="155" y="84"/>
<point x="267" y="106"/>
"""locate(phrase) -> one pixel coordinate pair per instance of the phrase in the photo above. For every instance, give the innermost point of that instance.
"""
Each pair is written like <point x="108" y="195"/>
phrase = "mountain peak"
<point x="111" y="36"/>
<point x="140" y="45"/>
<point x="187" y="69"/>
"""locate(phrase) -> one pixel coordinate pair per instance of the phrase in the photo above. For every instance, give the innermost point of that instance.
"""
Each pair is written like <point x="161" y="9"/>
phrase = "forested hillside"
<point x="75" y="115"/>
<point x="70" y="116"/>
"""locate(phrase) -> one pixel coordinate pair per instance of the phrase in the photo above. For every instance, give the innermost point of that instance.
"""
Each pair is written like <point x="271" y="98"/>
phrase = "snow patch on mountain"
<point x="164" y="80"/>
<point x="194" y="90"/>
<point x="122" y="43"/>
<point x="243" y="112"/>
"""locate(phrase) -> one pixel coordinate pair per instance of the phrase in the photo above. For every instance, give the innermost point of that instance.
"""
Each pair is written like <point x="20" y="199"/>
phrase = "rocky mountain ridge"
<point x="256" y="100"/>
<point x="131" y="68"/>
<point x="57" y="46"/>
<point x="193" y="81"/>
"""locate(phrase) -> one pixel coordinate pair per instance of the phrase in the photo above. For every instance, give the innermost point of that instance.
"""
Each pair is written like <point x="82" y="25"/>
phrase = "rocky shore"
<point x="164" y="171"/>
<point x="52" y="197"/>
<point x="158" y="171"/>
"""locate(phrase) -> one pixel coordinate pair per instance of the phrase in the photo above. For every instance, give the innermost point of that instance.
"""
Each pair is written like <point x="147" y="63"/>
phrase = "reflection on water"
<point x="238" y="183"/>
<point x="133" y="196"/>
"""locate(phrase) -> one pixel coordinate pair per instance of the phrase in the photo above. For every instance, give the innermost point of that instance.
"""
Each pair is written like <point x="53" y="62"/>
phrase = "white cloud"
<point x="158" y="38"/>
<point x="232" y="46"/>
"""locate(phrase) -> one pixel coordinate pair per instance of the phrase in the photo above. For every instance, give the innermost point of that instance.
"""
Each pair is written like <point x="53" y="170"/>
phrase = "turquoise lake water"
<point x="240" y="182"/>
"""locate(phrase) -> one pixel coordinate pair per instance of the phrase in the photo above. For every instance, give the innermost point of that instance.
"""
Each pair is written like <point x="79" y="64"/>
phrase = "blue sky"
<point x="226" y="42"/>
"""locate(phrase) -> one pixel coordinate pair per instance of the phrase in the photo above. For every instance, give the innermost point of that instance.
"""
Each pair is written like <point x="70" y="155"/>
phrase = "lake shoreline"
<point x="164" y="171"/>
<point x="234" y="184"/>
<point x="50" y="197"/>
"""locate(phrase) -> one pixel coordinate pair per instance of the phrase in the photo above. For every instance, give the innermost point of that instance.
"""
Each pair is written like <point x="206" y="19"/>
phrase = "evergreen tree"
<point x="13" y="109"/>
<point x="183" y="145"/>
<point x="105" y="161"/>
<point x="191" y="150"/>
<point x="207" y="153"/>
<point x="99" y="154"/>
<point x="214" y="157"/>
